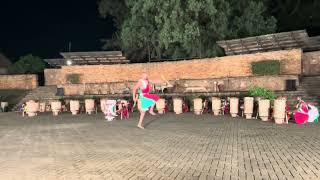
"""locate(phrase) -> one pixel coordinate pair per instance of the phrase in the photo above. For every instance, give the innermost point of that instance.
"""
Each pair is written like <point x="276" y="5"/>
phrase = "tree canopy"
<point x="296" y="14"/>
<point x="183" y="28"/>
<point x="28" y="64"/>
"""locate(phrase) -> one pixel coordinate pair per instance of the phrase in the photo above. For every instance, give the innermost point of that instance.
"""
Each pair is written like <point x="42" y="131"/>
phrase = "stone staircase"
<point x="42" y="93"/>
<point x="308" y="90"/>
<point x="311" y="85"/>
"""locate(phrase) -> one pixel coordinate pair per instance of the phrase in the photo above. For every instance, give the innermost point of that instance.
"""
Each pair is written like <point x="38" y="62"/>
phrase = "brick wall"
<point x="276" y="83"/>
<point x="311" y="63"/>
<point x="18" y="81"/>
<point x="51" y="76"/>
<point x="96" y="88"/>
<point x="228" y="66"/>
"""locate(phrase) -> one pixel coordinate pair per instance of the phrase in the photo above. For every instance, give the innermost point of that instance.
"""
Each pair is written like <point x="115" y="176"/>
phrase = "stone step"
<point x="42" y="93"/>
<point x="311" y="77"/>
<point x="310" y="84"/>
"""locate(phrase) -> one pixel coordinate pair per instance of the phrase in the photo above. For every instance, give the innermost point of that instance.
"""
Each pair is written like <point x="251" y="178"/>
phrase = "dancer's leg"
<point x="140" y="124"/>
<point x="151" y="110"/>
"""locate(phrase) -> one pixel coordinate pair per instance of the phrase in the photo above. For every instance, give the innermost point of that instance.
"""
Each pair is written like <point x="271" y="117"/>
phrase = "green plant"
<point x="28" y="64"/>
<point x="268" y="67"/>
<point x="73" y="78"/>
<point x="256" y="91"/>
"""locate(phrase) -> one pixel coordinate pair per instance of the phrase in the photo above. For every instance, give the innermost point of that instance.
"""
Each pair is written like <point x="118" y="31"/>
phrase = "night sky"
<point x="44" y="28"/>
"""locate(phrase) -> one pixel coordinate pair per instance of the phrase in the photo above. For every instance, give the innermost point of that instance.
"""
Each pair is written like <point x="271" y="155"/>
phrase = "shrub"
<point x="268" y="67"/>
<point x="28" y="64"/>
<point x="256" y="91"/>
<point x="73" y="78"/>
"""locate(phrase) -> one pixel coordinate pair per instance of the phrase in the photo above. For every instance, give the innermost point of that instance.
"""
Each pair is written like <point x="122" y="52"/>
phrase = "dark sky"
<point x="44" y="27"/>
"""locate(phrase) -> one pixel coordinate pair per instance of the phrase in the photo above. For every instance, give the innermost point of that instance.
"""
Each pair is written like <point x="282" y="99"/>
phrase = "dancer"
<point x="147" y="101"/>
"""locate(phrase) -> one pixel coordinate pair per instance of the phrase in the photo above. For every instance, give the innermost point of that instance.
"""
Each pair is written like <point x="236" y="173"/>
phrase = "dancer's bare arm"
<point x="134" y="90"/>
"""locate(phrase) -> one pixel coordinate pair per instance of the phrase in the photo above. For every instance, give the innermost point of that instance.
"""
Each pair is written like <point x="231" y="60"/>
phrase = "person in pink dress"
<point x="301" y="115"/>
<point x="147" y="100"/>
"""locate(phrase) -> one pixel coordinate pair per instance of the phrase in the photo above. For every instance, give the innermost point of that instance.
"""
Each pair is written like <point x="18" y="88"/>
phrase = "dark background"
<point x="44" y="28"/>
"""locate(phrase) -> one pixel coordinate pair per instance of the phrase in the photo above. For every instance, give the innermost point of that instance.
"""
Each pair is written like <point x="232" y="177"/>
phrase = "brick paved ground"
<point x="172" y="147"/>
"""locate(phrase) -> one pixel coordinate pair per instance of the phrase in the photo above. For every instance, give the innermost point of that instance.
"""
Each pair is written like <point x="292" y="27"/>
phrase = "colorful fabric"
<point x="313" y="113"/>
<point x="302" y="115"/>
<point x="110" y="111"/>
<point x="147" y="100"/>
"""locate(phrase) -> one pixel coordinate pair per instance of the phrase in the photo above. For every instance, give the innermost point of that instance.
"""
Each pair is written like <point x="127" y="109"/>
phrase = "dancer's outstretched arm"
<point x="134" y="91"/>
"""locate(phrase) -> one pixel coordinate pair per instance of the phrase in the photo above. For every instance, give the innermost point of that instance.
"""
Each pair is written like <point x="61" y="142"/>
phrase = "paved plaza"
<point x="171" y="147"/>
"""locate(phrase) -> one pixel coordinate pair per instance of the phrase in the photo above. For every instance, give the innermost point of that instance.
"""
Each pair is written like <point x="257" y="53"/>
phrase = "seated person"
<point x="205" y="107"/>
<point x="225" y="106"/>
<point x="123" y="110"/>
<point x="185" y="107"/>
<point x="166" y="107"/>
<point x="23" y="109"/>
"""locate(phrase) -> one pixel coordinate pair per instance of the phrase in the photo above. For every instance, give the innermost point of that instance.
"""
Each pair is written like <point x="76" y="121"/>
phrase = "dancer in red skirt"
<point x="147" y="101"/>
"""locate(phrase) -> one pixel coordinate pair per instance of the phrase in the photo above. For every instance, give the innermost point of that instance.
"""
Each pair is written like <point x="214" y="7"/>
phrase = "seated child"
<point x="241" y="104"/>
<point x="288" y="113"/>
<point x="225" y="106"/>
<point x="123" y="109"/>
<point x="205" y="108"/>
<point x="185" y="107"/>
<point x="23" y="109"/>
<point x="166" y="107"/>
<point x="130" y="106"/>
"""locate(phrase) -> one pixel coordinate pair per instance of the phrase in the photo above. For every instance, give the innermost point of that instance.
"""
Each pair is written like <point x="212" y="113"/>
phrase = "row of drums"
<point x="264" y="106"/>
<point x="4" y="106"/>
<point x="33" y="107"/>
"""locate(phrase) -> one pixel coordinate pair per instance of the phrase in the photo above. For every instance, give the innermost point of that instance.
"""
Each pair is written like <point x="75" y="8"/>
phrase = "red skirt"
<point x="300" y="118"/>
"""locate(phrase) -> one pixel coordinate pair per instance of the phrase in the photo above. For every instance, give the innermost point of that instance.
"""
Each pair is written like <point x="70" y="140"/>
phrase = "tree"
<point x="186" y="28"/>
<point x="28" y="64"/>
<point x="117" y="9"/>
<point x="250" y="18"/>
<point x="297" y="14"/>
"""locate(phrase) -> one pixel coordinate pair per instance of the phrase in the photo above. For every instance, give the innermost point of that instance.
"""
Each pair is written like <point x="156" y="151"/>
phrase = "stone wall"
<point x="96" y="88"/>
<point x="228" y="66"/>
<point x="51" y="77"/>
<point x="311" y="63"/>
<point x="276" y="83"/>
<point x="18" y="81"/>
